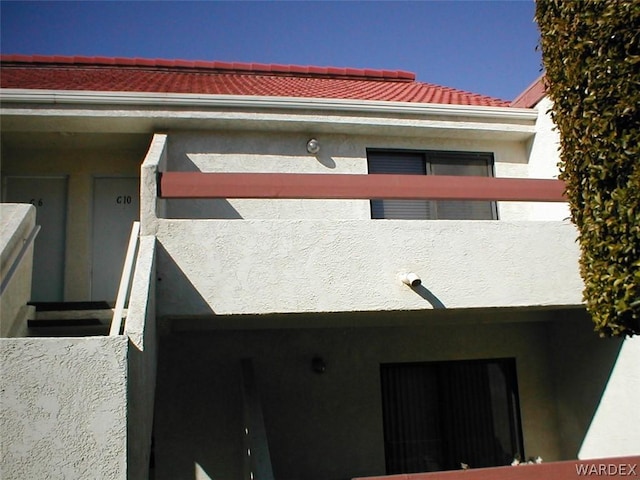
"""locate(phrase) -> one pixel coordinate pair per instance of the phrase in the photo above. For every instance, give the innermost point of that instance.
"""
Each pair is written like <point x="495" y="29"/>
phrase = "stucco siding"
<point x="17" y="228"/>
<point x="64" y="407"/>
<point x="597" y="391"/>
<point x="330" y="425"/>
<point x="285" y="152"/>
<point x="613" y="429"/>
<point x="217" y="267"/>
<point x="543" y="155"/>
<point x="140" y="328"/>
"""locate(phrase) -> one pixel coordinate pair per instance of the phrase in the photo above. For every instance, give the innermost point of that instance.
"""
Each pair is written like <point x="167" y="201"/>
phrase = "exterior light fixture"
<point x="313" y="146"/>
<point x="318" y="364"/>
<point x="410" y="279"/>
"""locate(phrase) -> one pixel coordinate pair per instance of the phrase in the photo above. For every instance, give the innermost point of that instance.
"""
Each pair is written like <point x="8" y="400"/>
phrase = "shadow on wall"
<point x="225" y="152"/>
<point x="175" y="294"/>
<point x="198" y="431"/>
<point x="325" y="159"/>
<point x="428" y="296"/>
<point x="332" y="421"/>
<point x="188" y="149"/>
<point x="583" y="364"/>
<point x="202" y="208"/>
<point x="205" y="208"/>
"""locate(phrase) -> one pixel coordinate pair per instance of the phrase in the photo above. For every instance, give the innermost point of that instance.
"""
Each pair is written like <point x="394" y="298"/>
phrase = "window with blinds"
<point x="431" y="163"/>
<point x="438" y="415"/>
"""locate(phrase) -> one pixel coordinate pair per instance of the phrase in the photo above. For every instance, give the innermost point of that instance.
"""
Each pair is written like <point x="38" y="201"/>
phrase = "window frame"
<point x="428" y="158"/>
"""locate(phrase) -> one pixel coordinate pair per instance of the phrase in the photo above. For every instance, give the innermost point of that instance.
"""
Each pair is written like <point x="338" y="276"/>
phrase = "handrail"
<point x="18" y="258"/>
<point x="125" y="280"/>
<point x="358" y="186"/>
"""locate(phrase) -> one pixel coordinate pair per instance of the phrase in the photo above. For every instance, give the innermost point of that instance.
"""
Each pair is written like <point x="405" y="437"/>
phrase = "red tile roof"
<point x="222" y="78"/>
<point x="532" y="95"/>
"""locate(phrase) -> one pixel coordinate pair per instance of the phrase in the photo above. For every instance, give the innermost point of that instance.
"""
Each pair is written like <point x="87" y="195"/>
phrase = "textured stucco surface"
<point x="140" y="327"/>
<point x="152" y="207"/>
<point x="543" y="156"/>
<point x="614" y="428"/>
<point x="330" y="425"/>
<point x="285" y="152"/>
<point x="16" y="224"/>
<point x="221" y="267"/>
<point x="64" y="406"/>
<point x="597" y="385"/>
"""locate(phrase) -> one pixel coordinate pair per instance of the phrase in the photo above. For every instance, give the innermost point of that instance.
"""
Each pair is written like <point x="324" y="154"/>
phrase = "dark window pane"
<point x="400" y="164"/>
<point x="468" y="165"/>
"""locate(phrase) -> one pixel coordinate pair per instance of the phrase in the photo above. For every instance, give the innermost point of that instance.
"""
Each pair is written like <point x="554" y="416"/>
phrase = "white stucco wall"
<point x="140" y="327"/>
<point x="222" y="267"/>
<point x="597" y="389"/>
<point x="333" y="422"/>
<point x="17" y="223"/>
<point x="614" y="431"/>
<point x="261" y="152"/>
<point x="83" y="407"/>
<point x="285" y="152"/>
<point x="64" y="407"/>
<point x="543" y="155"/>
<point x="152" y="207"/>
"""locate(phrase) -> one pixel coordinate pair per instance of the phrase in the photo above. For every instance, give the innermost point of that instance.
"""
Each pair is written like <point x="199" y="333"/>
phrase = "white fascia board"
<point x="73" y="97"/>
<point x="82" y="119"/>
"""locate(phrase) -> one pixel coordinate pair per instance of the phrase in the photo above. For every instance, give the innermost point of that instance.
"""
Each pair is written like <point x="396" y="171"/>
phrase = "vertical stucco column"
<point x="152" y="207"/>
<point x="140" y="328"/>
<point x="17" y="233"/>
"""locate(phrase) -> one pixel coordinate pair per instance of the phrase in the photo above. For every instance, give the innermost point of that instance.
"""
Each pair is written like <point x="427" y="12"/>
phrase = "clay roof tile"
<point x="225" y="78"/>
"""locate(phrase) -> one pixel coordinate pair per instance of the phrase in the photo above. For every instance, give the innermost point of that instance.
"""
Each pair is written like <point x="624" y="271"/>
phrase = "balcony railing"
<point x="572" y="469"/>
<point x="345" y="186"/>
<point x="125" y="280"/>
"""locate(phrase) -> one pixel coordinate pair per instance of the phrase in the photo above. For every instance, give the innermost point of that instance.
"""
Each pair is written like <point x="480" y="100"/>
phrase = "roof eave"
<point x="532" y="95"/>
<point x="102" y="98"/>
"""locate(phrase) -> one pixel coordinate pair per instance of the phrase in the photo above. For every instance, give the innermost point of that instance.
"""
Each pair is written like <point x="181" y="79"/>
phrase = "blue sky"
<point x="486" y="47"/>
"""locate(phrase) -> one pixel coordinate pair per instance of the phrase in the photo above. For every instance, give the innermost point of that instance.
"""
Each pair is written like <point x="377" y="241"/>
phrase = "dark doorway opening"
<point x="440" y="415"/>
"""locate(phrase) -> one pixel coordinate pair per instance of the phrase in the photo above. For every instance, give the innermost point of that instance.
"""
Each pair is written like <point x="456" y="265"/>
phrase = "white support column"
<point x="152" y="207"/>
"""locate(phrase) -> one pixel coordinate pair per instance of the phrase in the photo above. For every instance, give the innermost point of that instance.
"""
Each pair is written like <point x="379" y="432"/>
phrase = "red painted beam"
<point x="620" y="467"/>
<point x="341" y="186"/>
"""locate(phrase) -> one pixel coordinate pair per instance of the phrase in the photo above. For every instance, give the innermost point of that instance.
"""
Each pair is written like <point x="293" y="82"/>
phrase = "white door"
<point x="49" y="195"/>
<point x="116" y="205"/>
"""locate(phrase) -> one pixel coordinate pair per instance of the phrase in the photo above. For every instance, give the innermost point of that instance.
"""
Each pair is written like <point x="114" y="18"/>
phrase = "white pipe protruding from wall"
<point x="410" y="279"/>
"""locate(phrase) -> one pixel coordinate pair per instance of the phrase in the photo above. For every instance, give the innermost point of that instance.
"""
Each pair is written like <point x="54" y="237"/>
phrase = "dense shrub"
<point x="591" y="54"/>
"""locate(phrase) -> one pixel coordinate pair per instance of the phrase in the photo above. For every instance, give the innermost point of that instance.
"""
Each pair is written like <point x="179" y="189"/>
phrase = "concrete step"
<point x="76" y="319"/>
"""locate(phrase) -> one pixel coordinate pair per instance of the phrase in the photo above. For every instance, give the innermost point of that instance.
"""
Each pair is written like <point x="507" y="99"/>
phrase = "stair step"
<point x="71" y="331"/>
<point x="61" y="306"/>
<point x="105" y="314"/>
<point x="68" y="320"/>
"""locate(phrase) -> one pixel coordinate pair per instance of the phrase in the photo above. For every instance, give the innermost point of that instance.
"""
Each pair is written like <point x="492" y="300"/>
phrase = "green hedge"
<point x="591" y="54"/>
